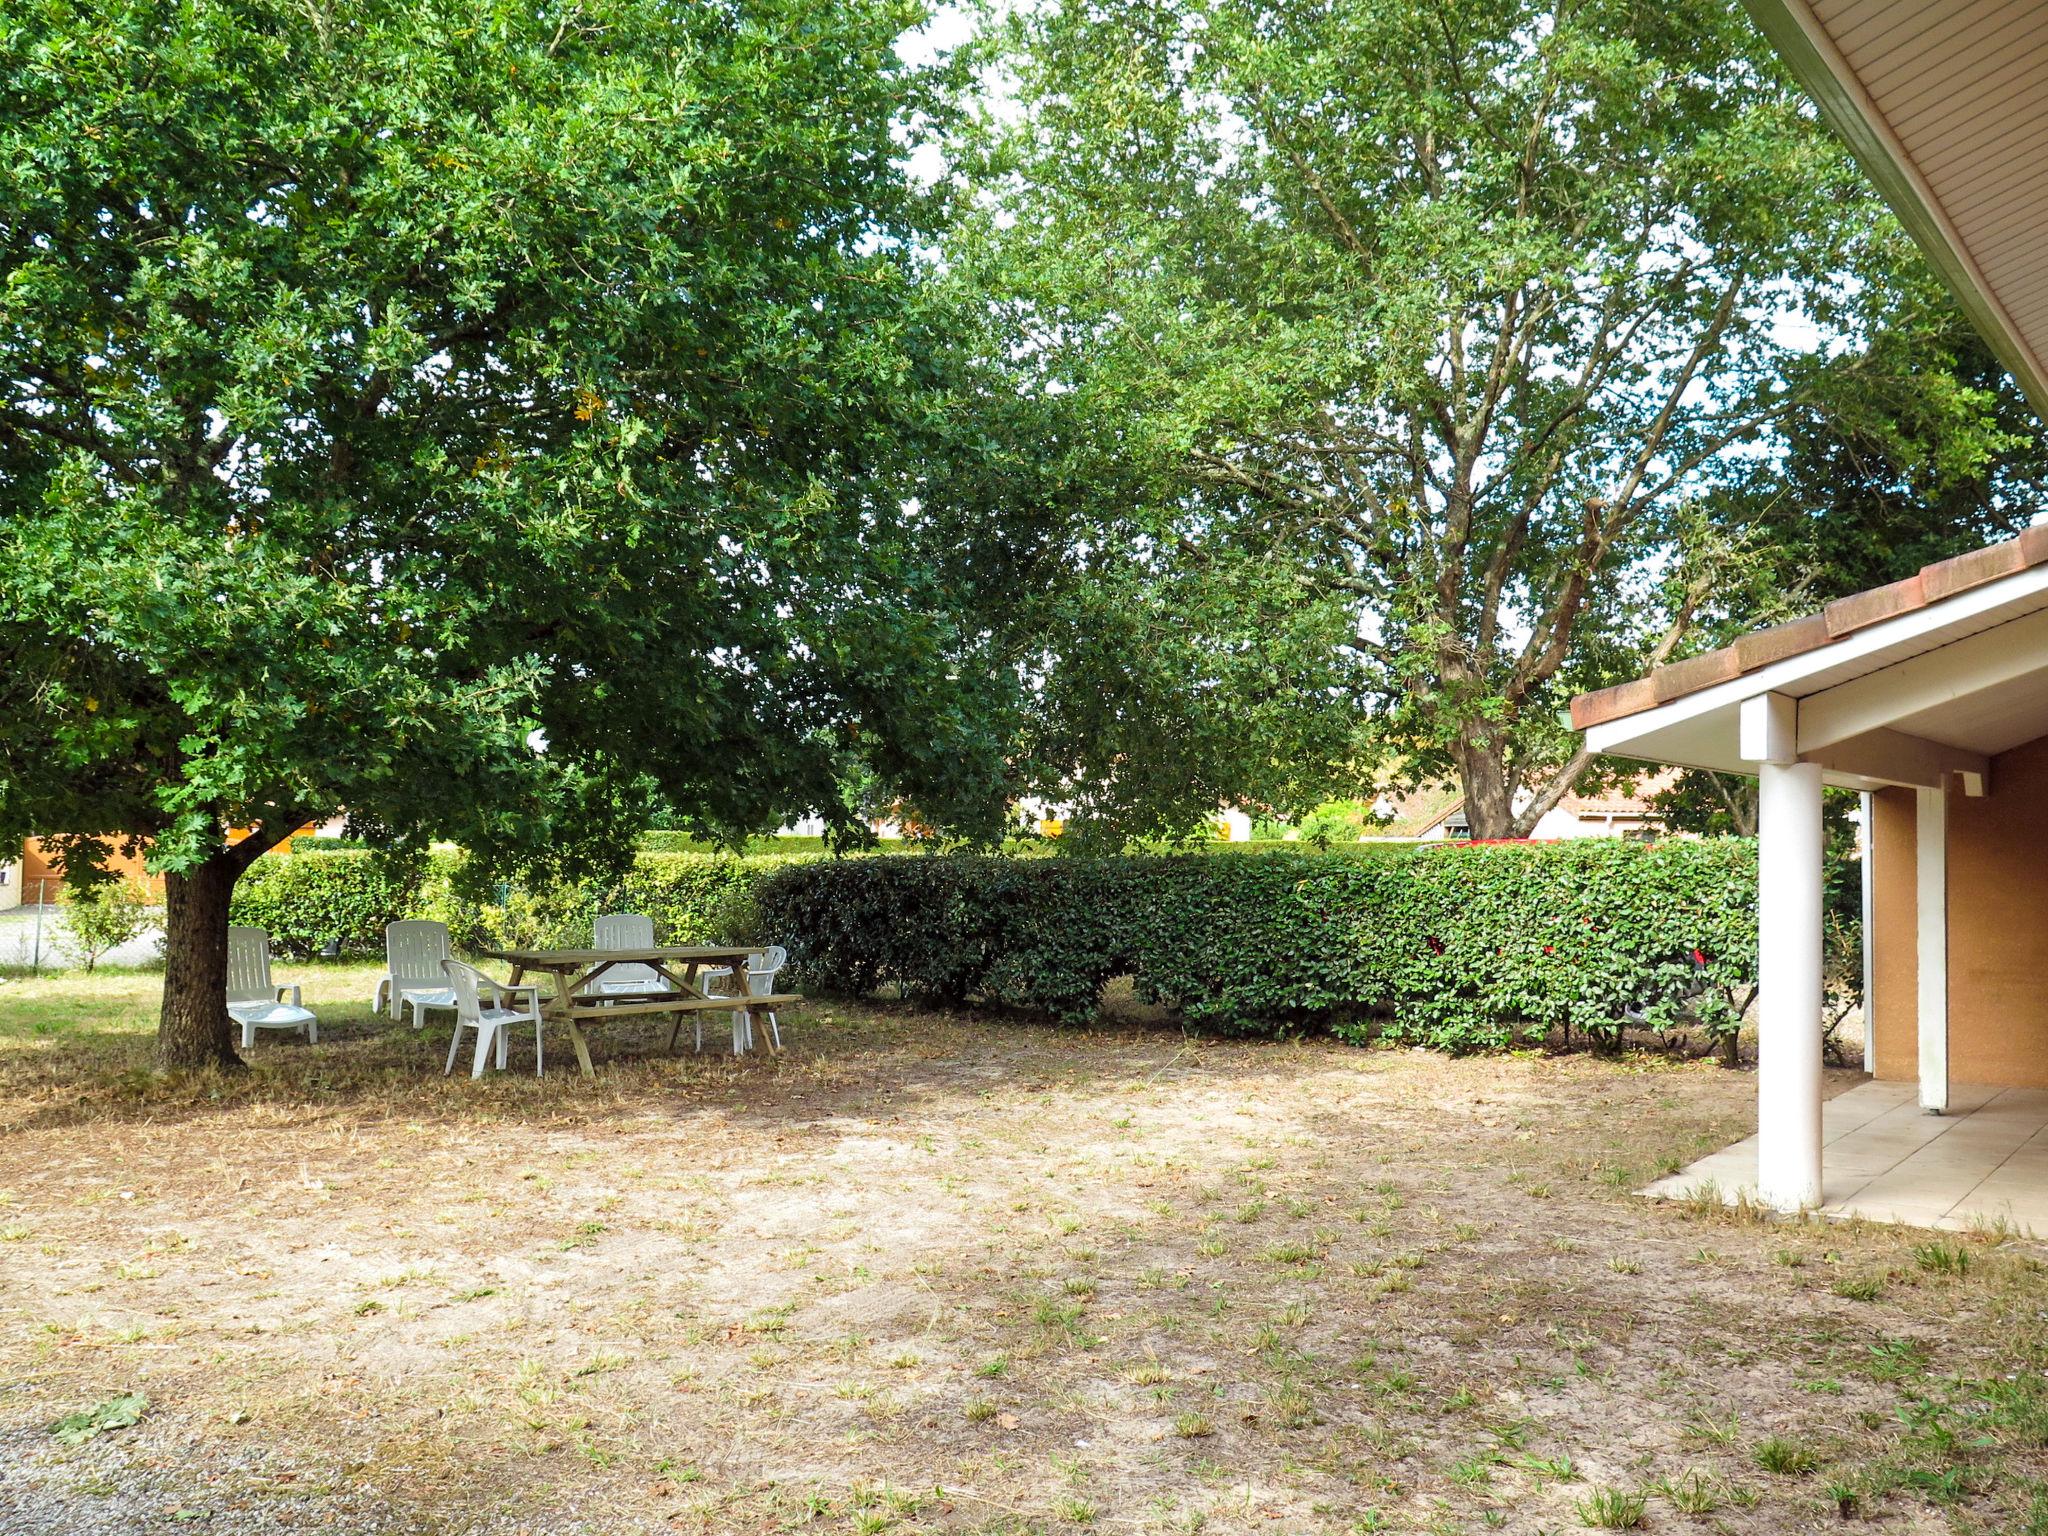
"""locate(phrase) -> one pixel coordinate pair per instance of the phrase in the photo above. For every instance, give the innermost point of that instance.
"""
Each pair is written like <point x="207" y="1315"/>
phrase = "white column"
<point x="1789" y="975"/>
<point x="1868" y="811"/>
<point x="1930" y="822"/>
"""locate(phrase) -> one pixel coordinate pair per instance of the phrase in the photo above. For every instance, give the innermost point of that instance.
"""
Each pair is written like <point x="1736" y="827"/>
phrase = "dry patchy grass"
<point x="942" y="1273"/>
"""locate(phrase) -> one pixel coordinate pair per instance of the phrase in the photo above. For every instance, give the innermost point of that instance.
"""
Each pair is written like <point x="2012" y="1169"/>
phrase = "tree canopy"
<point x="1472" y="325"/>
<point x="480" y="418"/>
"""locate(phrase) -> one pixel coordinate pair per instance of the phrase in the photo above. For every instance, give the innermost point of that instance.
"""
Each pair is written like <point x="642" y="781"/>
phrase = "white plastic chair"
<point x="254" y="1000"/>
<point x="492" y="1020"/>
<point x="625" y="930"/>
<point x="414" y="950"/>
<point x="761" y="972"/>
<point x="761" y="969"/>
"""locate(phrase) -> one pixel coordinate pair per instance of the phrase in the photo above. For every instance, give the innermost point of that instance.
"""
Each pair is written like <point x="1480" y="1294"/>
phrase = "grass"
<point x="1786" y="1457"/>
<point x="948" y="1272"/>
<point x="1611" y="1509"/>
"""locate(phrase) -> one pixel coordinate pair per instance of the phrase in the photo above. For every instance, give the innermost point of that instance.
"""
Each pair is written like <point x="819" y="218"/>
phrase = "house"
<point x="1613" y="813"/>
<point x="1438" y="815"/>
<point x="1929" y="695"/>
<point x="37" y="873"/>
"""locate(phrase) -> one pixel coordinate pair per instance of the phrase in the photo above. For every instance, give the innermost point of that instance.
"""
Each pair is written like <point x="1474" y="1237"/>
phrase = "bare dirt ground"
<point x="941" y="1273"/>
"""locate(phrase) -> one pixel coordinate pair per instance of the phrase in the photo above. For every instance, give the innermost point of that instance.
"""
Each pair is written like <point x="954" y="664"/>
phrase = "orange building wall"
<point x="36" y="864"/>
<point x="1997" y="928"/>
<point x="1998" y="925"/>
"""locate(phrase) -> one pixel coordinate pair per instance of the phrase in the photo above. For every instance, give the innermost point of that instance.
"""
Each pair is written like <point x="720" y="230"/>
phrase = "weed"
<point x="1786" y="1457"/>
<point x="1704" y="1429"/>
<point x="1691" y="1493"/>
<point x="1611" y="1509"/>
<point x="1940" y="1258"/>
<point x="114" y="1413"/>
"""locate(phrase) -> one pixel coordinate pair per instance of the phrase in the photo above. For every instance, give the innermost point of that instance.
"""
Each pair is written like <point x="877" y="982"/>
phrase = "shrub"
<point x="1459" y="948"/>
<point x="690" y="896"/>
<point x="346" y="898"/>
<point x="305" y="903"/>
<point x="102" y="917"/>
<point x="689" y="842"/>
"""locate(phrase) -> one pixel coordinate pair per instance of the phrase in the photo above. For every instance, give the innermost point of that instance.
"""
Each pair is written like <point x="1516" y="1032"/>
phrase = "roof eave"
<point x="1846" y="105"/>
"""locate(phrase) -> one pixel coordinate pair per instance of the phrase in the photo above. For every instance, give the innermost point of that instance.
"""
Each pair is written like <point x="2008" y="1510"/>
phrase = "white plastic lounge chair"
<point x="625" y="930"/>
<point x="490" y="1008"/>
<point x="254" y="1000"/>
<point x="413" y="952"/>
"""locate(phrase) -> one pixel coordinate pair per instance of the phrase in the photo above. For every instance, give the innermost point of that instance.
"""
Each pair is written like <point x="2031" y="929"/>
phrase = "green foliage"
<point x="691" y="897"/>
<point x="1473" y="328"/>
<point x="1611" y="1509"/>
<point x="346" y="898"/>
<point x="487" y="419"/>
<point x="1922" y="450"/>
<point x="90" y="1423"/>
<point x="690" y="842"/>
<point x="1458" y="948"/>
<point x="103" y="916"/>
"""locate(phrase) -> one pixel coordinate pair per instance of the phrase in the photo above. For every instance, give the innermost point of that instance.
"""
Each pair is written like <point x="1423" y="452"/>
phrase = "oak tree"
<point x="480" y="418"/>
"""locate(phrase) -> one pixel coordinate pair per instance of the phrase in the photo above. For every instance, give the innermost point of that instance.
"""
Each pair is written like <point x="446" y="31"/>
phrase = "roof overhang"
<point x="1914" y="699"/>
<point x="1945" y="104"/>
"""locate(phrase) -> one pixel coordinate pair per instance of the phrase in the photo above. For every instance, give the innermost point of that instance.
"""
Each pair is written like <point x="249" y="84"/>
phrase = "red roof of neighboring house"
<point x="1945" y="578"/>
<point x="1617" y="802"/>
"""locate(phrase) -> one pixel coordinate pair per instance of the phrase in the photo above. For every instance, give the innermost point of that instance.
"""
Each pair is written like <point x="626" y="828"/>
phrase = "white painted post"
<point x="1868" y="811"/>
<point x="1789" y="975"/>
<point x="1931" y="879"/>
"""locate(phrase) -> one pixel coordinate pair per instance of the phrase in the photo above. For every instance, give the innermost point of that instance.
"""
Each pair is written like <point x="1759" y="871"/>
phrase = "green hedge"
<point x="347" y="897"/>
<point x="689" y="842"/>
<point x="305" y="901"/>
<point x="1461" y="948"/>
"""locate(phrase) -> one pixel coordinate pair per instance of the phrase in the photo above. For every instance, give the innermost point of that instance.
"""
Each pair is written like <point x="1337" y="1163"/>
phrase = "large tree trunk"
<point x="194" y="1031"/>
<point x="1489" y="803"/>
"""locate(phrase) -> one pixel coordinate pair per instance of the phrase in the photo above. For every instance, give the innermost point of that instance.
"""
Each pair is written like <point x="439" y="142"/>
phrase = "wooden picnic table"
<point x="678" y="966"/>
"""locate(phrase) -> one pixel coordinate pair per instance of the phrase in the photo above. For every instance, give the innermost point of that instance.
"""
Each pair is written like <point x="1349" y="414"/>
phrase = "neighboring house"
<point x="1930" y="695"/>
<point x="1438" y="815"/>
<point x="41" y="876"/>
<point x="1049" y="819"/>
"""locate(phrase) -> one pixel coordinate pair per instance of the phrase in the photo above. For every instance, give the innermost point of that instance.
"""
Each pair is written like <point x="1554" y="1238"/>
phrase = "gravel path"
<point x="167" y="1476"/>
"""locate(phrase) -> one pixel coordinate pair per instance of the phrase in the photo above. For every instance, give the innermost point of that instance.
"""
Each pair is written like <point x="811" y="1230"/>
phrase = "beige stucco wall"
<point x="1997" y="928"/>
